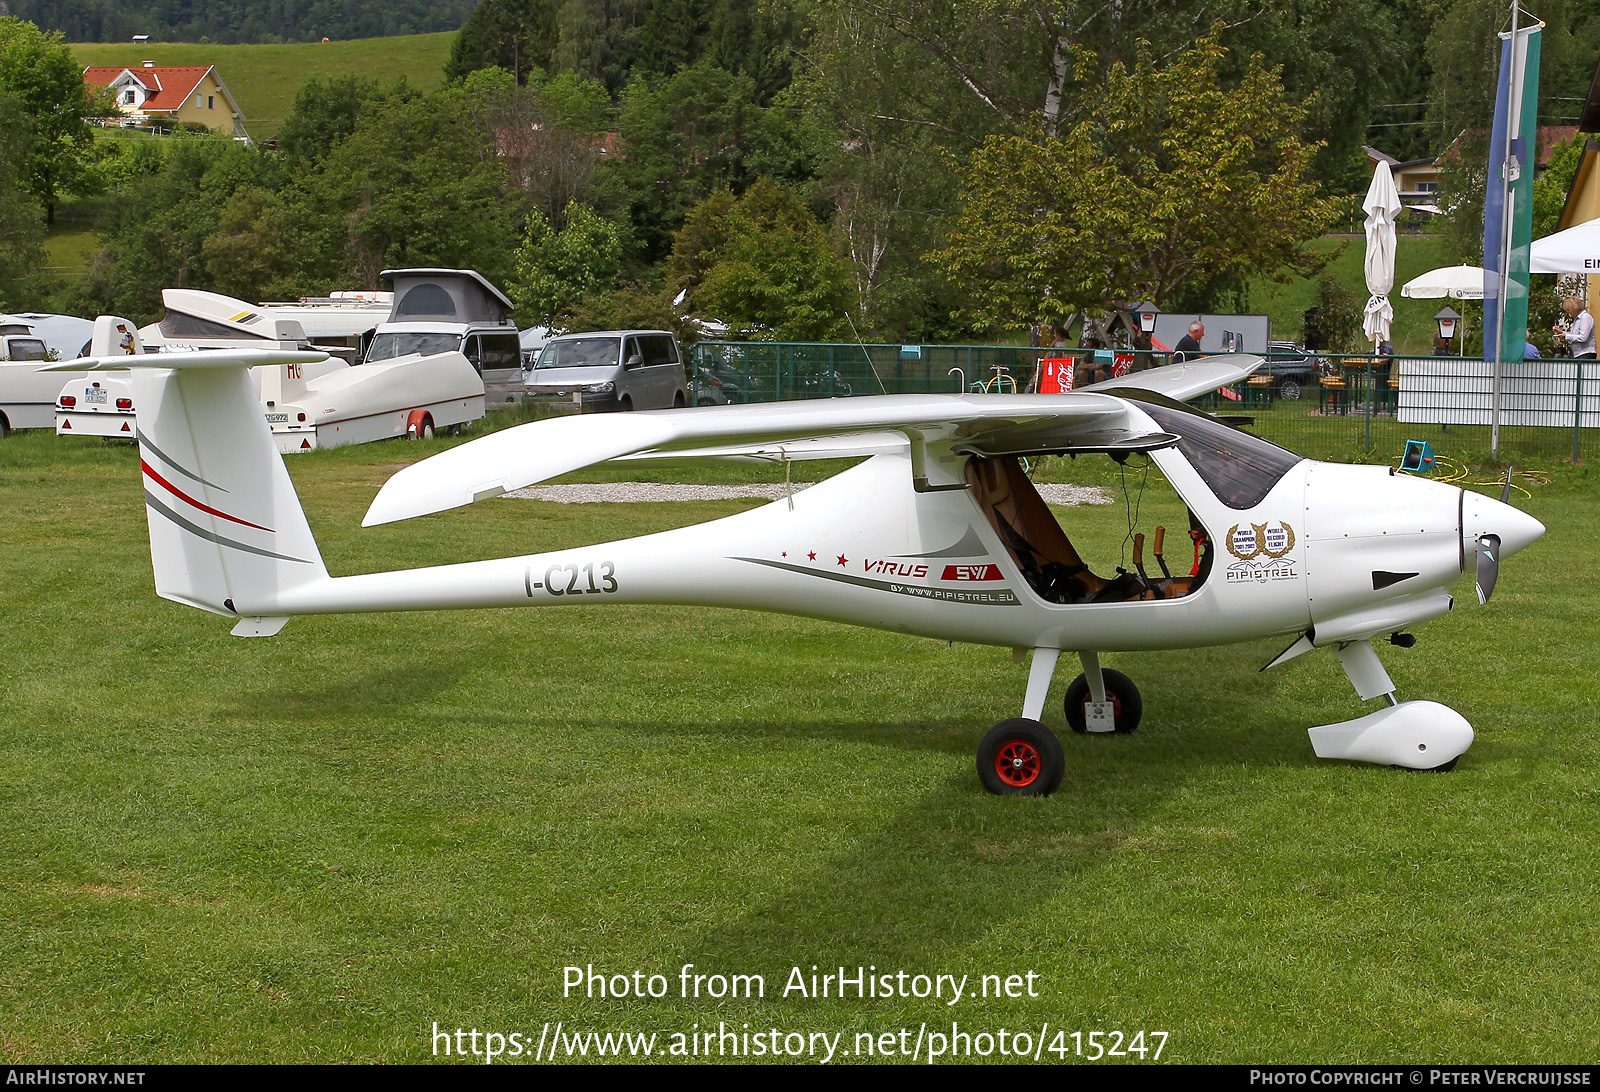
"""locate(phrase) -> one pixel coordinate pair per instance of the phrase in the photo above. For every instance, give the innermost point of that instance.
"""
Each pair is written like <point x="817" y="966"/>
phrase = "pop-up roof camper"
<point x="438" y="309"/>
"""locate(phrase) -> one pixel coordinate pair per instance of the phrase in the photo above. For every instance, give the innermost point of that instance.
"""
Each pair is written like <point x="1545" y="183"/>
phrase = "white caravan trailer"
<point x="326" y="404"/>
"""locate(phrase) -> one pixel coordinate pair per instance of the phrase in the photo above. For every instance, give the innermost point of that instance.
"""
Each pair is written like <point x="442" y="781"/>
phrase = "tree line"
<point x="911" y="171"/>
<point x="239" y="20"/>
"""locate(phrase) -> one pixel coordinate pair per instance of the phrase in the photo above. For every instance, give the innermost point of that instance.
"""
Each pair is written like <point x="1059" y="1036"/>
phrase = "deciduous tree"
<point x="768" y="270"/>
<point x="21" y="227"/>
<point x="39" y="72"/>
<point x="556" y="270"/>
<point x="1169" y="181"/>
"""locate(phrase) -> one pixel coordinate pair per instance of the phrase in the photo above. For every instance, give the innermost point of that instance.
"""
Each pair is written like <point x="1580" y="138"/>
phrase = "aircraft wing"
<point x="848" y="446"/>
<point x="1181" y="381"/>
<point x="983" y="424"/>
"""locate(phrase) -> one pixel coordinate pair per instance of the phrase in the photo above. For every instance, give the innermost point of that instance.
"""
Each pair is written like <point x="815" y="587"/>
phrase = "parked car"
<point x="719" y="384"/>
<point x="1292" y="368"/>
<point x="611" y="370"/>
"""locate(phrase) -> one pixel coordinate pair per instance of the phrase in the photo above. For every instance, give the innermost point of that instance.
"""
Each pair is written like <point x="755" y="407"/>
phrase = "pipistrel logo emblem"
<point x="1261" y="549"/>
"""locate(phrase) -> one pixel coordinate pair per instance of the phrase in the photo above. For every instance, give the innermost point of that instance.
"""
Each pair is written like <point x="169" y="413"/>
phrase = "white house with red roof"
<point x="170" y="93"/>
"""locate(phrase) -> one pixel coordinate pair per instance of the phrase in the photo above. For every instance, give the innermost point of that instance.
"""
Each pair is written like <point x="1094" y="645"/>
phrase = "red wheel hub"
<point x="1017" y="763"/>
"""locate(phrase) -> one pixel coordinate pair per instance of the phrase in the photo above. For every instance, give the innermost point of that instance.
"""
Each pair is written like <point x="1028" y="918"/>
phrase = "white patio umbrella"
<point x="1382" y="206"/>
<point x="1576" y="250"/>
<point x="1457" y="282"/>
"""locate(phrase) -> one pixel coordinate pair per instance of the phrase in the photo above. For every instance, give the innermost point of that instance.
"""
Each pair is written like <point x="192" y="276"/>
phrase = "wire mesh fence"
<point x="1321" y="403"/>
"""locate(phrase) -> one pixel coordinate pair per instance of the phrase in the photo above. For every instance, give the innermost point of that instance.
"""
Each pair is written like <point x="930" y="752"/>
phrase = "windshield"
<point x="389" y="346"/>
<point x="27" y="348"/>
<point x="580" y="352"/>
<point x="1240" y="469"/>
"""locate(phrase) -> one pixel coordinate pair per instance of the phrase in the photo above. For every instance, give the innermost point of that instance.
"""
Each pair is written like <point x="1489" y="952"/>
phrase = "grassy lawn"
<point x="265" y="78"/>
<point x="315" y="847"/>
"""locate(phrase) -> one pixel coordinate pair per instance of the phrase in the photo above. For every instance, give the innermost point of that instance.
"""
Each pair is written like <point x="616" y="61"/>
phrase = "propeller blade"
<point x="1488" y="566"/>
<point x="1505" y="494"/>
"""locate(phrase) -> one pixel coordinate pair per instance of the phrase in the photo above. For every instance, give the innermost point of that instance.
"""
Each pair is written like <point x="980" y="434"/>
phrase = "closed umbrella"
<point x="1457" y="282"/>
<point x="1576" y="250"/>
<point x="1382" y="206"/>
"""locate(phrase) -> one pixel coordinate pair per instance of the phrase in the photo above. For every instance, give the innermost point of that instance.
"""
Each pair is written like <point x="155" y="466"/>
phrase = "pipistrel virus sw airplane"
<point x="938" y="532"/>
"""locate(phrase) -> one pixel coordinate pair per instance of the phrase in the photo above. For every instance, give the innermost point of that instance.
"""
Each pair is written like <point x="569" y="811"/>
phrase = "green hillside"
<point x="1413" y="330"/>
<point x="265" y="78"/>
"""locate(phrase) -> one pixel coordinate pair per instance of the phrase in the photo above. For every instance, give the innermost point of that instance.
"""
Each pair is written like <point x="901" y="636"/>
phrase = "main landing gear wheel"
<point x="1126" y="704"/>
<point x="1021" y="757"/>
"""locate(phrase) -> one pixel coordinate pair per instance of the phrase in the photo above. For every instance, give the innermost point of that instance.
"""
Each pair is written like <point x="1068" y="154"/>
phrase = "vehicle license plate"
<point x="95" y="396"/>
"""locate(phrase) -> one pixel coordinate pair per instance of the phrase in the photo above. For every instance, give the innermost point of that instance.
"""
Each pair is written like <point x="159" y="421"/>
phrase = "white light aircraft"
<point x="938" y="532"/>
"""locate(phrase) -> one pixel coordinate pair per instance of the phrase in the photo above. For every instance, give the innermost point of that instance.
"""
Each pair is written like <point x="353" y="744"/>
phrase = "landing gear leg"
<point x="1020" y="756"/>
<point x="1418" y="735"/>
<point x="1040" y="672"/>
<point x="1099" y="714"/>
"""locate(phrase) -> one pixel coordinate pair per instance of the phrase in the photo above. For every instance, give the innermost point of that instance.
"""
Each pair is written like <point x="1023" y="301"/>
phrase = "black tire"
<point x="1443" y="767"/>
<point x="626" y="405"/>
<point x="678" y="400"/>
<point x="427" y="428"/>
<point x="706" y="400"/>
<point x="1289" y="388"/>
<point x="1128" y="705"/>
<point x="1021" y="757"/>
<point x="5" y="427"/>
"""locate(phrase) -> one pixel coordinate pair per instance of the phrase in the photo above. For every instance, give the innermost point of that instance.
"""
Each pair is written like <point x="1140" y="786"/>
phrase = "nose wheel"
<point x="1126" y="704"/>
<point x="1021" y="757"/>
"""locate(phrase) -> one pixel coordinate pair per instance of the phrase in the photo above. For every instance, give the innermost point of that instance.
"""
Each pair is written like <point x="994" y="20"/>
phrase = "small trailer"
<point x="326" y="404"/>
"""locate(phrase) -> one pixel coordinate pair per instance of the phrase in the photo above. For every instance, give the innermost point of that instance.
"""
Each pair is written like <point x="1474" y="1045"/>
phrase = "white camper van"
<point x="438" y="310"/>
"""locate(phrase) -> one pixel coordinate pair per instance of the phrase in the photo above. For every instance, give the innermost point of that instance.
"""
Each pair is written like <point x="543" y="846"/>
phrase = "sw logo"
<point x="1262" y="541"/>
<point x="972" y="572"/>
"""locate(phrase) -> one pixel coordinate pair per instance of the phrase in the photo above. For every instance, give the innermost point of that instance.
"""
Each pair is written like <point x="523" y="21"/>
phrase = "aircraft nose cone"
<point x="1517" y="529"/>
<point x="1486" y="516"/>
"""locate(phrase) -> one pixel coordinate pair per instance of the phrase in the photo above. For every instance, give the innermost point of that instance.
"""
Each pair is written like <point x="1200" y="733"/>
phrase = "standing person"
<point x="1188" y="346"/>
<point x="1579" y="334"/>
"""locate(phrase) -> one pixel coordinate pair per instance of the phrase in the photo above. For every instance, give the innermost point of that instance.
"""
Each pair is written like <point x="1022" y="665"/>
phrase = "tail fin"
<point x="227" y="533"/>
<point x="114" y="336"/>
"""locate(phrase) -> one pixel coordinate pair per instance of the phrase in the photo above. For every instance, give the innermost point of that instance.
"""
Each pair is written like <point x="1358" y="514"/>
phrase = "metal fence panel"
<point x="1328" y="403"/>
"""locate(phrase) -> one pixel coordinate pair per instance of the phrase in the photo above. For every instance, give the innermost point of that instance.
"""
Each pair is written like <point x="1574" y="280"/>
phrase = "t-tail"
<point x="227" y="533"/>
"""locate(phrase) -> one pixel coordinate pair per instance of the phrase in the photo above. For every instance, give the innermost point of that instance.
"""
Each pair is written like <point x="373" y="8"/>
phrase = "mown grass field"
<point x="315" y="847"/>
<point x="264" y="79"/>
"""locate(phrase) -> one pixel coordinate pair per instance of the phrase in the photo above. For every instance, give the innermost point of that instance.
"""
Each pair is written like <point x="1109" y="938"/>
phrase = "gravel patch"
<point x="1072" y="495"/>
<point x="633" y="492"/>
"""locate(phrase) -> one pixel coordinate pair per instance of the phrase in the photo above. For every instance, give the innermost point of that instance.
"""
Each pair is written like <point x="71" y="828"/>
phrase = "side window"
<point x="500" y="351"/>
<point x="629" y="349"/>
<point x="659" y="349"/>
<point x="472" y="351"/>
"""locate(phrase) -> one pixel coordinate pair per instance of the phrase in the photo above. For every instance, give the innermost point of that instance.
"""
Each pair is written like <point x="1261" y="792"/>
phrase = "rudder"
<point x="227" y="533"/>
